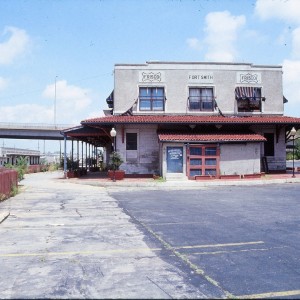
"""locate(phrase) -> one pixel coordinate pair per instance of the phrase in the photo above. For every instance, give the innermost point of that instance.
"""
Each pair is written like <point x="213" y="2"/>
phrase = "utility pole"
<point x="55" y="102"/>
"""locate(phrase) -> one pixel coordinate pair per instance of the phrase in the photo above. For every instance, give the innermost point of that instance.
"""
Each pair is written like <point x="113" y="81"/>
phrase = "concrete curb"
<point x="187" y="183"/>
<point x="4" y="215"/>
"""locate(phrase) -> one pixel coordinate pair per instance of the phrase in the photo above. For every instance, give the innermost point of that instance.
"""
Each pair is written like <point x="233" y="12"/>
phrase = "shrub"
<point x="20" y="166"/>
<point x="115" y="161"/>
<point x="53" y="167"/>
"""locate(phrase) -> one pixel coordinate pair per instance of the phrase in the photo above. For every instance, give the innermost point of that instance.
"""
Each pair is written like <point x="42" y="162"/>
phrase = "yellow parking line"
<point x="241" y="250"/>
<point x="220" y="245"/>
<point x="80" y="252"/>
<point x="269" y="295"/>
<point x="127" y="250"/>
<point x="233" y="251"/>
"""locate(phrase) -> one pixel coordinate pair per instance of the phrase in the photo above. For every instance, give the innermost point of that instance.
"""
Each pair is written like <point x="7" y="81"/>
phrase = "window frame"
<point x="152" y="100"/>
<point x="201" y="101"/>
<point x="247" y="104"/>
<point x="204" y="156"/>
<point x="128" y="143"/>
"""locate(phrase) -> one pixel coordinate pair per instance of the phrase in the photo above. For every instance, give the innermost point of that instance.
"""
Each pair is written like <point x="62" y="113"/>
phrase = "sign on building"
<point x="200" y="77"/>
<point x="248" y="77"/>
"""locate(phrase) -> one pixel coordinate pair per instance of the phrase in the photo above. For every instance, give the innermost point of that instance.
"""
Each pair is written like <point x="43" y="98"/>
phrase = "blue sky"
<point x="77" y="42"/>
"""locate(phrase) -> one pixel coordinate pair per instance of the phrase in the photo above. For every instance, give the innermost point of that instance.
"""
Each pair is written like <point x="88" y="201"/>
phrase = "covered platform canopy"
<point x="96" y="131"/>
<point x="98" y="136"/>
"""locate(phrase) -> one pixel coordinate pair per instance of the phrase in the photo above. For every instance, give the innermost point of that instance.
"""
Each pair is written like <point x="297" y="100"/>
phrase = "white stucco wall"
<point x="145" y="160"/>
<point x="240" y="159"/>
<point x="176" y="80"/>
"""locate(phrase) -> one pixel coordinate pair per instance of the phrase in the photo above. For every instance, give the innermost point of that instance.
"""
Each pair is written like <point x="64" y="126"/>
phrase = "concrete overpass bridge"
<point x="37" y="131"/>
<point x="32" y="131"/>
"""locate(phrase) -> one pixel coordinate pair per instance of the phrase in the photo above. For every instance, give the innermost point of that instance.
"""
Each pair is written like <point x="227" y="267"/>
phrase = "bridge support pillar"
<point x="65" y="156"/>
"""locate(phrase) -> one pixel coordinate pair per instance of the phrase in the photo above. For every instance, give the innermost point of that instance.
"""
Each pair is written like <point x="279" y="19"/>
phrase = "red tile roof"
<point x="188" y="119"/>
<point x="167" y="137"/>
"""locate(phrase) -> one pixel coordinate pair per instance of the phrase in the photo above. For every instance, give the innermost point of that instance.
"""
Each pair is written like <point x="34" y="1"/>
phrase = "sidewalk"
<point x="99" y="179"/>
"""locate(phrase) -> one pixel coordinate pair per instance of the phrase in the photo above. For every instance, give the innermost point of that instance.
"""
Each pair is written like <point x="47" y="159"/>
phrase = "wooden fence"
<point x="8" y="180"/>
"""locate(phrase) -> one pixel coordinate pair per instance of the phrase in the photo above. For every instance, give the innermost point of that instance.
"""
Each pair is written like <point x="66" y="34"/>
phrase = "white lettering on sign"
<point x="243" y="77"/>
<point x="199" y="77"/>
<point x="151" y="76"/>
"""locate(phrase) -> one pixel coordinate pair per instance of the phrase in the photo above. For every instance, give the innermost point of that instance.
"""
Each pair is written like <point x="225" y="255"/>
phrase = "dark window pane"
<point x="158" y="105"/>
<point x="196" y="162"/>
<point x="145" y="104"/>
<point x="195" y="172"/>
<point x="131" y="141"/>
<point x="195" y="151"/>
<point x="210" y="162"/>
<point x="206" y="105"/>
<point x="212" y="172"/>
<point x="211" y="151"/>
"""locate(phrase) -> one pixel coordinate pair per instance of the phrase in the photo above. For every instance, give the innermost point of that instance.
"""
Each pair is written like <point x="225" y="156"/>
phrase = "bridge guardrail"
<point x="40" y="126"/>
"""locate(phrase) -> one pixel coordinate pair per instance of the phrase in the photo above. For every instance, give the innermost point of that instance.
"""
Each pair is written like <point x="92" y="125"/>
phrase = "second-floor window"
<point x="201" y="99"/>
<point x="152" y="98"/>
<point x="248" y="98"/>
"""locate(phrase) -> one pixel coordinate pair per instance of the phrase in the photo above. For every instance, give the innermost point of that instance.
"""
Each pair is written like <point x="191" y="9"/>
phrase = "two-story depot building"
<point x="194" y="119"/>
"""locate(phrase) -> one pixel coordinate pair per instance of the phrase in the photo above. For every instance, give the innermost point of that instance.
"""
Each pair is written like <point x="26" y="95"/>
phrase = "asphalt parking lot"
<point x="245" y="240"/>
<point x="70" y="239"/>
<point x="61" y="240"/>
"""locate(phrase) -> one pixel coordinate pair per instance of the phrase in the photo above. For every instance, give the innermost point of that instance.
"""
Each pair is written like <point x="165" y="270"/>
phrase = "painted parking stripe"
<point x="134" y="250"/>
<point x="220" y="245"/>
<point x="271" y="294"/>
<point x="236" y="251"/>
<point x="125" y="250"/>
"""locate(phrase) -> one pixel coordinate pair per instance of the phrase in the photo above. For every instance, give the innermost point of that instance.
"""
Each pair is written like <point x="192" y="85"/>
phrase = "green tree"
<point x="21" y="166"/>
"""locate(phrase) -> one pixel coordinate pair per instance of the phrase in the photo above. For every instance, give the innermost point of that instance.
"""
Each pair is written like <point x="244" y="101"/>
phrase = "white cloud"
<point x="286" y="10"/>
<point x="291" y="76"/>
<point x="72" y="105"/>
<point x="71" y="101"/>
<point x="14" y="46"/>
<point x="94" y="114"/>
<point x="221" y="33"/>
<point x="291" y="85"/>
<point x="194" y="43"/>
<point x="296" y="43"/>
<point x="26" y="113"/>
<point x="3" y="83"/>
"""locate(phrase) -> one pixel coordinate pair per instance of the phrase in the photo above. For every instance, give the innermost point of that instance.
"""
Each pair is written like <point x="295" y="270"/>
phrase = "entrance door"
<point x="174" y="159"/>
<point x="203" y="160"/>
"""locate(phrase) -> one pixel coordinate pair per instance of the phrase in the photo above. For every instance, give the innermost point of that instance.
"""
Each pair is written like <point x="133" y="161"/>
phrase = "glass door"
<point x="203" y="160"/>
<point x="174" y="159"/>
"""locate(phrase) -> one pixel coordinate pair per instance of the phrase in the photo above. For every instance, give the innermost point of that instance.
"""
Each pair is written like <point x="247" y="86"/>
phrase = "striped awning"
<point x="247" y="92"/>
